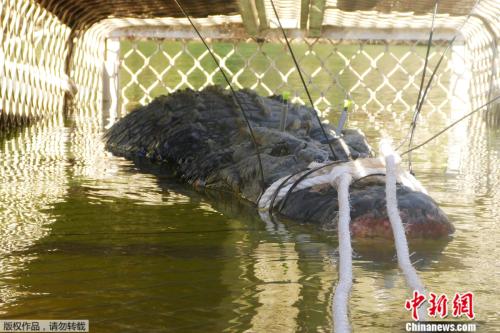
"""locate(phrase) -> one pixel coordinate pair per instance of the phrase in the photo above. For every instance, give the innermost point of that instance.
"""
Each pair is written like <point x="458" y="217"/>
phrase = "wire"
<point x="420" y="101"/>
<point x="238" y="102"/>
<point x="367" y="176"/>
<point x="433" y="74"/>
<point x="429" y="43"/>
<point x="451" y="125"/>
<point x="302" y="79"/>
<point x="427" y="87"/>
<point x="275" y="194"/>
<point x="301" y="178"/>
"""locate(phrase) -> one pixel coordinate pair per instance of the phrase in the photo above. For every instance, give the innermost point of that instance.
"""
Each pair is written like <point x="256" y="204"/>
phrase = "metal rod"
<point x="284" y="112"/>
<point x="427" y="52"/>
<point x="343" y="117"/>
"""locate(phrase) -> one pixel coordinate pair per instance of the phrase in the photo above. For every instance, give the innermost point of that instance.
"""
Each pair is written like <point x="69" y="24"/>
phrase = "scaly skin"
<point x="202" y="135"/>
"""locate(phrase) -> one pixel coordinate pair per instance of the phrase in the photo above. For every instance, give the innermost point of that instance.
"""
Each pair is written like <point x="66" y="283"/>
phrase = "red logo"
<point x="463" y="304"/>
<point x="414" y="303"/>
<point x="438" y="305"/>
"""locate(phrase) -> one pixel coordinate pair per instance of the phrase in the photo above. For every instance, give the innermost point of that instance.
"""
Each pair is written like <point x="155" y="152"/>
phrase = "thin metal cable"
<point x="367" y="176"/>
<point x="429" y="42"/>
<point x="419" y="101"/>
<point x="297" y="182"/>
<point x="433" y="74"/>
<point x="451" y="125"/>
<point x="238" y="102"/>
<point x="275" y="194"/>
<point x="302" y="79"/>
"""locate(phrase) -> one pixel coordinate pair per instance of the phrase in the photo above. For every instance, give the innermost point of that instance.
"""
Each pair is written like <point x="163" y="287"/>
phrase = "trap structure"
<point x="105" y="57"/>
<point x="109" y="56"/>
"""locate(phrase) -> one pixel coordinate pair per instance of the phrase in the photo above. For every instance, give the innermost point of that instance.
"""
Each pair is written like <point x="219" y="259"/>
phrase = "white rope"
<point x="398" y="230"/>
<point x="319" y="177"/>
<point x="341" y="296"/>
<point x="327" y="175"/>
<point x="341" y="176"/>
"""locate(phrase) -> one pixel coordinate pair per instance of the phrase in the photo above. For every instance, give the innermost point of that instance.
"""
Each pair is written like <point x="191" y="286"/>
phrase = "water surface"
<point x="92" y="236"/>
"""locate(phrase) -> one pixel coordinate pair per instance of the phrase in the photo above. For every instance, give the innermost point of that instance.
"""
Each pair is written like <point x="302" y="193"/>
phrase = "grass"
<point x="330" y="70"/>
<point x="266" y="67"/>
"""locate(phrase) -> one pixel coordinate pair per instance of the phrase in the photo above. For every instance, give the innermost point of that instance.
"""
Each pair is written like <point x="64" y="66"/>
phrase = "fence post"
<point x="110" y="82"/>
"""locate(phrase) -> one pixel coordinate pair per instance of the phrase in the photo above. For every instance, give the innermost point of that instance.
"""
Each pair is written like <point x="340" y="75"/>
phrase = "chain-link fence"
<point x="49" y="63"/>
<point x="382" y="78"/>
<point x="33" y="52"/>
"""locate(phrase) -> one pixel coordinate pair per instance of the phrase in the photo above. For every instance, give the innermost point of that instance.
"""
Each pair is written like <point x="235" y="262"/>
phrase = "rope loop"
<point x="340" y="176"/>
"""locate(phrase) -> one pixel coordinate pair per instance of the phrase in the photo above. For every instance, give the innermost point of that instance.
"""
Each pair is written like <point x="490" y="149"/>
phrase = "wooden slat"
<point x="316" y="14"/>
<point x="73" y="12"/>
<point x="304" y="13"/>
<point x="261" y="12"/>
<point x="248" y="16"/>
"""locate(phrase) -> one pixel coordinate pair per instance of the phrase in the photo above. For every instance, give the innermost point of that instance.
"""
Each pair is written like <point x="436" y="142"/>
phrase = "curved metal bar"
<point x="275" y="194"/>
<point x="301" y="178"/>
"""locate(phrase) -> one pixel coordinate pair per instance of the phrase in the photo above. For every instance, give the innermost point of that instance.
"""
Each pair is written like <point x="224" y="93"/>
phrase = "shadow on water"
<point x="380" y="250"/>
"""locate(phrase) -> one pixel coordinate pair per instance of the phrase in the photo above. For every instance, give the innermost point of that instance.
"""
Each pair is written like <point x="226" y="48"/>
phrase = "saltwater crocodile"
<point x="202" y="135"/>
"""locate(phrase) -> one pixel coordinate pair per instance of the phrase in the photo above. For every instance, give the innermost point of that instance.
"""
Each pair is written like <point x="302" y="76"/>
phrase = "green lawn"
<point x="268" y="67"/>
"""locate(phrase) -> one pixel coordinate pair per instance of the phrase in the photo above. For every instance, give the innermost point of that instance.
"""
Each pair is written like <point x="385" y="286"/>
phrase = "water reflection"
<point x="478" y="161"/>
<point x="279" y="288"/>
<point x="88" y="235"/>
<point x="102" y="174"/>
<point x="32" y="180"/>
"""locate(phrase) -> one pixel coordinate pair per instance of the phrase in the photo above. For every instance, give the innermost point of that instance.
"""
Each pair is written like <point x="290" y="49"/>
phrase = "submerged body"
<point x="204" y="137"/>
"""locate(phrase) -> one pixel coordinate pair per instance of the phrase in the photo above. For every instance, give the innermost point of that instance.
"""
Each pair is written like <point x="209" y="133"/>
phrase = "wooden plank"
<point x="261" y="12"/>
<point x="316" y="14"/>
<point x="304" y="13"/>
<point x="238" y="32"/>
<point x="392" y="34"/>
<point x="249" y="16"/>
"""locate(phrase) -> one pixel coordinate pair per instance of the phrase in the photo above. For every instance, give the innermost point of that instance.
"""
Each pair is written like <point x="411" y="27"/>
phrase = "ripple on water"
<point x="88" y="235"/>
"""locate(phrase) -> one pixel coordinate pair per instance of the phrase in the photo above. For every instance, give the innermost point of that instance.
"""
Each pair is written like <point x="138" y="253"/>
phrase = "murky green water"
<point x="88" y="235"/>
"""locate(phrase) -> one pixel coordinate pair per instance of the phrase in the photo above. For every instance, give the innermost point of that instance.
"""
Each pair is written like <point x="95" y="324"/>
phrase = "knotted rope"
<point x="328" y="175"/>
<point x="341" y="295"/>
<point x="341" y="176"/>
<point x="398" y="230"/>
